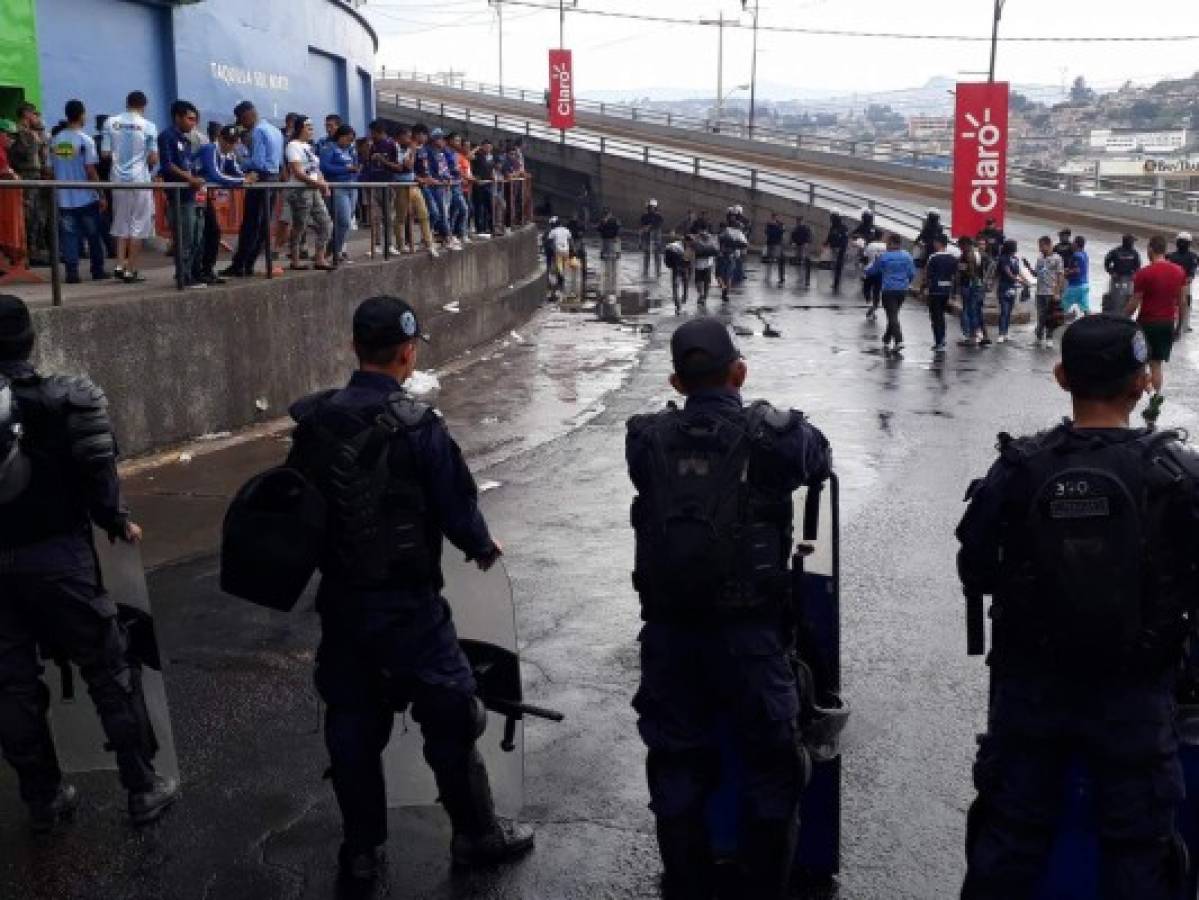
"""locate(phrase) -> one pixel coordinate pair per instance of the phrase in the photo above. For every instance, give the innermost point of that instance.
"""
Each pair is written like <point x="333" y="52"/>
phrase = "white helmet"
<point x="737" y="210"/>
<point x="834" y="211"/>
<point x="1184" y="236"/>
<point x="933" y="211"/>
<point x="865" y="211"/>
<point x="652" y="202"/>
<point x="553" y="221"/>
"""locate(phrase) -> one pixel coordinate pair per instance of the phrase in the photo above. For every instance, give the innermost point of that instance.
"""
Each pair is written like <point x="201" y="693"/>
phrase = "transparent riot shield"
<point x="485" y="618"/>
<point x="76" y="727"/>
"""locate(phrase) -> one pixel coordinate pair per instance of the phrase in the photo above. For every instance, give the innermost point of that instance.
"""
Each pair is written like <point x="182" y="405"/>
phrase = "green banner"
<point x="18" y="55"/>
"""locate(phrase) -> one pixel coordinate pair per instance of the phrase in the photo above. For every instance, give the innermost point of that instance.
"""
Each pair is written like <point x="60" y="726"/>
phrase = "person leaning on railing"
<point x="74" y="158"/>
<point x="339" y="166"/>
<point x="409" y="198"/>
<point x="218" y="165"/>
<point x="266" y="159"/>
<point x="307" y="203"/>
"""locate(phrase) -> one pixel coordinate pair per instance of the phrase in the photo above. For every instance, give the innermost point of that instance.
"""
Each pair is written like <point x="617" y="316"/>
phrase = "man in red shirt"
<point x="1158" y="294"/>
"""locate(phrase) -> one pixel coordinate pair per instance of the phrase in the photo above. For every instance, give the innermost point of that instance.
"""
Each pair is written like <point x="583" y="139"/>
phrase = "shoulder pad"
<point x="642" y="422"/>
<point x="305" y="406"/>
<point x="410" y="412"/>
<point x="1169" y="451"/>
<point x="83" y="393"/>
<point x="1017" y="450"/>
<point x="780" y="421"/>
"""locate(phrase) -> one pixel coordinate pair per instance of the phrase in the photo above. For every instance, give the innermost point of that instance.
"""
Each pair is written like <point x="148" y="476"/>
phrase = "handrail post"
<point x="603" y="144"/>
<point x="812" y="194"/>
<point x="55" y="274"/>
<point x="385" y="206"/>
<point x="268" y="216"/>
<point x="175" y="201"/>
<point x="645" y="152"/>
<point x="695" y="165"/>
<point x="753" y="179"/>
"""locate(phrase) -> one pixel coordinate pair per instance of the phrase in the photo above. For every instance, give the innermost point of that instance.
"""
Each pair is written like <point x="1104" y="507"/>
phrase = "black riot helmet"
<point x="14" y="465"/>
<point x="1183" y="241"/>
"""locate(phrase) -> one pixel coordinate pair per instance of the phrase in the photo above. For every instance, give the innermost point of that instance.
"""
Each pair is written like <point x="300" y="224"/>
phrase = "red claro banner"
<point x="980" y="138"/>
<point x="562" y="90"/>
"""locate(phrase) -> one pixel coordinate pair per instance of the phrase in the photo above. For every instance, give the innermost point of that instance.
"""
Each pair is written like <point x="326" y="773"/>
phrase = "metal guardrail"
<point x="511" y="205"/>
<point x="907" y="153"/>
<point x="791" y="187"/>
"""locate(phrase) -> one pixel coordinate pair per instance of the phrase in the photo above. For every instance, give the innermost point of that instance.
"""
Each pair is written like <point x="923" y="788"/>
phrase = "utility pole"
<point x="719" y="23"/>
<point x="999" y="4"/>
<point x="753" y="68"/>
<point x="499" y="18"/>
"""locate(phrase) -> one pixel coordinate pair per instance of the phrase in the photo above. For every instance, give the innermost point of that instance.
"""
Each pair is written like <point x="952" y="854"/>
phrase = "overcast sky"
<point x="615" y="54"/>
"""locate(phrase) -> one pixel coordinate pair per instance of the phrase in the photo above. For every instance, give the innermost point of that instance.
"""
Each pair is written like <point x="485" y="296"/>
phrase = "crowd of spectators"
<point x="413" y="187"/>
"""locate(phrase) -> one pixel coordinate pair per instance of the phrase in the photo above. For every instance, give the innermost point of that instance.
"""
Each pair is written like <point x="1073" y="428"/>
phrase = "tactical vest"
<point x="713" y="537"/>
<point x="53" y="501"/>
<point x="380" y="534"/>
<point x="1094" y="575"/>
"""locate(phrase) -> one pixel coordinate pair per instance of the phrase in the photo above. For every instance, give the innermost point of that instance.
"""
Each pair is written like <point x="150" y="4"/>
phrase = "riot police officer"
<point x="712" y="520"/>
<point x="1188" y="259"/>
<point x="1083" y="537"/>
<point x="650" y="232"/>
<point x="58" y="476"/>
<point x="395" y="483"/>
<point x="837" y="241"/>
<point x="1121" y="263"/>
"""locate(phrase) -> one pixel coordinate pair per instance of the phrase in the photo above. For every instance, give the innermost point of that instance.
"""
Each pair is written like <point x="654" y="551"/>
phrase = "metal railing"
<point x="922" y="155"/>
<point x="510" y="206"/>
<point x="813" y="193"/>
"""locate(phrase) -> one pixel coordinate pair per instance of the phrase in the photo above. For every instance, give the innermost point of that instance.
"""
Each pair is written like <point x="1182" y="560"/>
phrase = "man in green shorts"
<point x="1158" y="295"/>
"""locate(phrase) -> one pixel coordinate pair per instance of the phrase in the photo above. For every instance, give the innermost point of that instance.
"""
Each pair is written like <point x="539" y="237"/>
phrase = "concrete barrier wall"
<point x="180" y="365"/>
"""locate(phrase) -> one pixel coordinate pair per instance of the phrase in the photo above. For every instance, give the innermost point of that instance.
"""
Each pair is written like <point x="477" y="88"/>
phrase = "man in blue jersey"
<point x="73" y="157"/>
<point x="264" y="164"/>
<point x="178" y="167"/>
<point x="130" y="144"/>
<point x="218" y="164"/>
<point x="1078" y="278"/>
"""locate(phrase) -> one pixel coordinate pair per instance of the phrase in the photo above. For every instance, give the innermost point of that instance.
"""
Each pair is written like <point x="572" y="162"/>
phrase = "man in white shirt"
<point x="559" y="237"/>
<point x="130" y="140"/>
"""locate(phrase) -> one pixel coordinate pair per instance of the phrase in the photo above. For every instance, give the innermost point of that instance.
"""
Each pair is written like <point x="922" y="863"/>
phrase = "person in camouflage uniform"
<point x="28" y="159"/>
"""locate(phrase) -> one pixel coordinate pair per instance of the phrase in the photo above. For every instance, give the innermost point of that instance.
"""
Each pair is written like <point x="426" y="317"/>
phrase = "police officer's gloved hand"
<point x="486" y="560"/>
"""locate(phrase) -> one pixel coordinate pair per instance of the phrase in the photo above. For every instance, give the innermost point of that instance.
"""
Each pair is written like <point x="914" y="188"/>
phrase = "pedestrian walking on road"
<point x="1159" y="293"/>
<point x="1078" y="278"/>
<point x="776" y="231"/>
<point x="872" y="285"/>
<point x="837" y="243"/>
<point x="1188" y="259"/>
<point x="897" y="271"/>
<point x="1121" y="264"/>
<point x="1050" y="273"/>
<point x="650" y="234"/>
<point x="1009" y="281"/>
<point x="732" y="243"/>
<point x="712" y="572"/>
<point x="801" y="240"/>
<point x="705" y="250"/>
<point x="678" y="256"/>
<point x="939" y="285"/>
<point x="972" y="286"/>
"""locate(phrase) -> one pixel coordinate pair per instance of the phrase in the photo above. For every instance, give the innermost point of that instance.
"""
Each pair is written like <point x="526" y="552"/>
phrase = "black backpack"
<point x="703" y="545"/>
<point x="273" y="538"/>
<point x="1084" y="582"/>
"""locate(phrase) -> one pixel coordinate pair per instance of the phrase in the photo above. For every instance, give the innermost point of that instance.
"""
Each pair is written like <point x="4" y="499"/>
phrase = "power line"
<point x="832" y="32"/>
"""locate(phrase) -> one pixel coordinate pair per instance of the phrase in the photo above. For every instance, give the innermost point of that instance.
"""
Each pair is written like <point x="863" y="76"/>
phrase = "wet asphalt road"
<point x="542" y="416"/>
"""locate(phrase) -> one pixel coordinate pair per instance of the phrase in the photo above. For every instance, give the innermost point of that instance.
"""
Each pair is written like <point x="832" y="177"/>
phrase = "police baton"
<point x="976" y="627"/>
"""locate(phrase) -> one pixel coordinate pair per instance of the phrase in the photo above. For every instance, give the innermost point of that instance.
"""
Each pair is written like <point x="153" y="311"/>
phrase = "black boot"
<point x="359" y="871"/>
<point x="147" y="805"/>
<point x="44" y="815"/>
<point x="686" y="858"/>
<point x="768" y="856"/>
<point x="480" y="837"/>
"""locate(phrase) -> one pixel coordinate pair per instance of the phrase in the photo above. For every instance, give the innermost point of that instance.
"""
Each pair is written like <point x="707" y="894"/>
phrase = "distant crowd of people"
<point x="444" y="189"/>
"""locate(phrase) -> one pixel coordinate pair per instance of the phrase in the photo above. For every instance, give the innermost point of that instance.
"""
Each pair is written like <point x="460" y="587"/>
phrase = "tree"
<point x="1080" y="93"/>
<point x="1021" y="104"/>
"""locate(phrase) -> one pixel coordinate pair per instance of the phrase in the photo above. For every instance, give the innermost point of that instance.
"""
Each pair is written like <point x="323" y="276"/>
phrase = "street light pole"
<point x="719" y="23"/>
<point x="999" y="4"/>
<point x="753" y="68"/>
<point x="499" y="15"/>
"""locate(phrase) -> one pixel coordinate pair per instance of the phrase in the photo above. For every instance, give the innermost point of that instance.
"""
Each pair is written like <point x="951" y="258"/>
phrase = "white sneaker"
<point x="1048" y="344"/>
<point x="1002" y="339"/>
<point x="898" y="346"/>
<point x="433" y="252"/>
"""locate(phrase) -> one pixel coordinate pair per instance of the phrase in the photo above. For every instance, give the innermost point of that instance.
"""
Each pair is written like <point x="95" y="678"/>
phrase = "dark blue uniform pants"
<point x="692" y="678"/>
<point x="1126" y="737"/>
<point x="68" y="613"/>
<point x="379" y="653"/>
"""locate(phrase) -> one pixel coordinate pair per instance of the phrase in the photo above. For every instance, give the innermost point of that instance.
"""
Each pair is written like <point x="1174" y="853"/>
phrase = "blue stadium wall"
<point x="308" y="56"/>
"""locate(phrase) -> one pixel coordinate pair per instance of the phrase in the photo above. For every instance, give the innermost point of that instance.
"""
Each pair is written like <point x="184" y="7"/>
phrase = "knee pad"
<point x="451" y="715"/>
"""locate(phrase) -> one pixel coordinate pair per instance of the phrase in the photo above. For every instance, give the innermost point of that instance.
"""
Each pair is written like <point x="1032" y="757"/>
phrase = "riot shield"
<point x="816" y="584"/>
<point x="76" y="727"/>
<point x="485" y="618"/>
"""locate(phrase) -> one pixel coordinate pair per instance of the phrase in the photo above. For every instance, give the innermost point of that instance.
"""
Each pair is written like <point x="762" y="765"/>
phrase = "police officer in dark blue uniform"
<point x="395" y="482"/>
<point x="713" y="524"/>
<point x="58" y="476"/>
<point x="1084" y="536"/>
